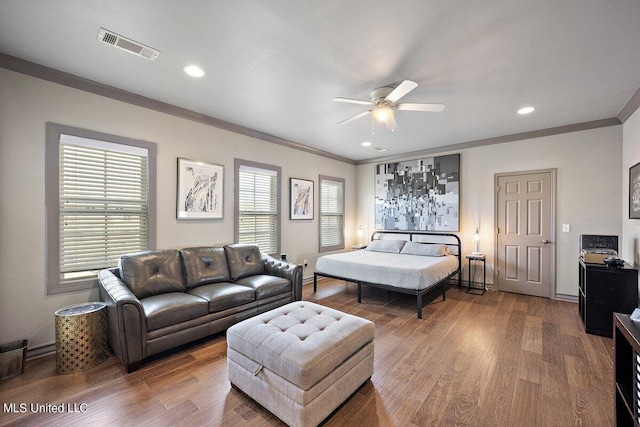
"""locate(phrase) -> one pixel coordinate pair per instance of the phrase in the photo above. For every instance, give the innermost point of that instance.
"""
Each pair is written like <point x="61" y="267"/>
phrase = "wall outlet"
<point x="305" y="263"/>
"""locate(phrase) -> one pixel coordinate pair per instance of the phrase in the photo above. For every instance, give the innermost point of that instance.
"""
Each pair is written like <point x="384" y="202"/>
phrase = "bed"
<point x="411" y="263"/>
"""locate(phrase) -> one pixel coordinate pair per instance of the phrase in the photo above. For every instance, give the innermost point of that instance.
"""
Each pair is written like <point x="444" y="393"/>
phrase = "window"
<point x="258" y="205"/>
<point x="99" y="203"/>
<point x="331" y="213"/>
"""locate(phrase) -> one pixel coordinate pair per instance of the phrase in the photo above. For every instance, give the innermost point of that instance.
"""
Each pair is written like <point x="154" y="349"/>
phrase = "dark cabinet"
<point x="604" y="290"/>
<point x="626" y="371"/>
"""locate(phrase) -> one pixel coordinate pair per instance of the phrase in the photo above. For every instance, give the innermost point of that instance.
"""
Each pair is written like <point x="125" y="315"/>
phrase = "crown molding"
<point x="630" y="107"/>
<point x="613" y="121"/>
<point x="55" y="76"/>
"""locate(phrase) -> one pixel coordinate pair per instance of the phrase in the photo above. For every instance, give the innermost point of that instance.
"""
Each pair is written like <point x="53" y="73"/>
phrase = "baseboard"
<point x="568" y="298"/>
<point x="41" y="350"/>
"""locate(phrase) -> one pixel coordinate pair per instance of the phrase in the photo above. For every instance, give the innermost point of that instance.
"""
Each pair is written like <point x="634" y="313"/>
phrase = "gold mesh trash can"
<point x="81" y="337"/>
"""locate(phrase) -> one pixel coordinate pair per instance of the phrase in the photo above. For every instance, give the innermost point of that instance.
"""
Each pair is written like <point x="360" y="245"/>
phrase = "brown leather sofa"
<point x="157" y="300"/>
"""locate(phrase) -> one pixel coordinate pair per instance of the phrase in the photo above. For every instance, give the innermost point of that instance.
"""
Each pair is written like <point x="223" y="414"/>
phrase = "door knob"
<point x="546" y="242"/>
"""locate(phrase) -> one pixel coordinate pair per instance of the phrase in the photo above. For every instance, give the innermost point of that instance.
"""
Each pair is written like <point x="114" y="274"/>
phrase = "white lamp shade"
<point x="476" y="239"/>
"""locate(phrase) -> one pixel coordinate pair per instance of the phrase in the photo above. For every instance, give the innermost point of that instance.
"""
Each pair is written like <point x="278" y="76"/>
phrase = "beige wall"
<point x="630" y="245"/>
<point x="588" y="193"/>
<point x="27" y="103"/>
<point x="588" y="167"/>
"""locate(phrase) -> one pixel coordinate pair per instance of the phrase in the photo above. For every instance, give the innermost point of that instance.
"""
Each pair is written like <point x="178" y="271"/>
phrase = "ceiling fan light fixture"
<point x="383" y="113"/>
<point x="391" y="122"/>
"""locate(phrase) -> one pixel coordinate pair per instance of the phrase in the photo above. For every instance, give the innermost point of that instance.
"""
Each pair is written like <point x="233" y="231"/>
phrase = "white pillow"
<point x="391" y="246"/>
<point x="413" y="248"/>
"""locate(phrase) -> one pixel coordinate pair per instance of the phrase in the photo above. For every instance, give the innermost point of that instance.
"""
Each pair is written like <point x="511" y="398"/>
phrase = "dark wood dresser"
<point x="604" y="290"/>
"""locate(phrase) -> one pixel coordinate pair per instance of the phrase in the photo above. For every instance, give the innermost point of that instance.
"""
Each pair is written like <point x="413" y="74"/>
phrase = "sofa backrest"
<point x="204" y="265"/>
<point x="244" y="260"/>
<point x="150" y="273"/>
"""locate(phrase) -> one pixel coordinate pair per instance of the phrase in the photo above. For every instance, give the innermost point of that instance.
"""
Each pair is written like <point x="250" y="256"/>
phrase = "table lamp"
<point x="476" y="238"/>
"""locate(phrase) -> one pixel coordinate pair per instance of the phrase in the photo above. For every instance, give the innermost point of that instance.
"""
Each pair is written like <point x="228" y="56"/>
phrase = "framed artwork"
<point x="422" y="194"/>
<point x="200" y="190"/>
<point x="301" y="193"/>
<point x="634" y="191"/>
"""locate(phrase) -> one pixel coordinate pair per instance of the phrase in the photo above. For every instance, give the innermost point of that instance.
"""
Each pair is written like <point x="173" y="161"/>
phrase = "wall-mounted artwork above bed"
<point x="422" y="194"/>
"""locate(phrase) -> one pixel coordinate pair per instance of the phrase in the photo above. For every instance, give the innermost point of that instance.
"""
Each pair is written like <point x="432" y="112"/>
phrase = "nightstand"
<point x="475" y="260"/>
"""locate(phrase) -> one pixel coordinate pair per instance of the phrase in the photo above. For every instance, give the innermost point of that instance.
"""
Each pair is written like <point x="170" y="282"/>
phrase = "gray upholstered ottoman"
<point x="300" y="361"/>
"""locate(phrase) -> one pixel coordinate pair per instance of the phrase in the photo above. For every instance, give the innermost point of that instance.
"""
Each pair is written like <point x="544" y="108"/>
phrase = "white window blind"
<point x="331" y="214"/>
<point x="103" y="204"/>
<point x="258" y="208"/>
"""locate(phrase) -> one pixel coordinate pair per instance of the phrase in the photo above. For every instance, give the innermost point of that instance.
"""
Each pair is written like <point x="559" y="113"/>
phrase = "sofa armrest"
<point x="125" y="316"/>
<point x="293" y="272"/>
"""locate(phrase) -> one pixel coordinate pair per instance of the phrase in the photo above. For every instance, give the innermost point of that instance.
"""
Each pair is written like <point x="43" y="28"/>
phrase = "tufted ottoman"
<point x="300" y="361"/>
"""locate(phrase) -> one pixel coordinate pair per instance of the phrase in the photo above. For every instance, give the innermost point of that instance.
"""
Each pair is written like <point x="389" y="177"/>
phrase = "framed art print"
<point x="634" y="191"/>
<point x="301" y="193"/>
<point x="200" y="190"/>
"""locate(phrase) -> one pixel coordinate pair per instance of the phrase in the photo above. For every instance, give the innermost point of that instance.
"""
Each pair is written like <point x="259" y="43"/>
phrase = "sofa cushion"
<point x="172" y="308"/>
<point x="224" y="295"/>
<point x="266" y="286"/>
<point x="150" y="273"/>
<point x="204" y="265"/>
<point x="244" y="260"/>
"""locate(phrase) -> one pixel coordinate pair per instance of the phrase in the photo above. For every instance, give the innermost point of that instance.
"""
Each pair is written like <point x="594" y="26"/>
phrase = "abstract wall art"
<point x="634" y="192"/>
<point x="301" y="191"/>
<point x="422" y="194"/>
<point x="200" y="190"/>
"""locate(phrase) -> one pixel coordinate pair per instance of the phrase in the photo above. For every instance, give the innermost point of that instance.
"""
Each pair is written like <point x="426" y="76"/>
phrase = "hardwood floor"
<point x="497" y="359"/>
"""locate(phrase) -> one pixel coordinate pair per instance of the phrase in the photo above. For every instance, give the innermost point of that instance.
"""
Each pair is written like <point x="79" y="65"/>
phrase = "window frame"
<point x="340" y="246"/>
<point x="54" y="282"/>
<point x="238" y="163"/>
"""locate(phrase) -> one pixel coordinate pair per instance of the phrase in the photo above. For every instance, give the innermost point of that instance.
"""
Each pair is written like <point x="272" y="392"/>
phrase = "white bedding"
<point x="399" y="270"/>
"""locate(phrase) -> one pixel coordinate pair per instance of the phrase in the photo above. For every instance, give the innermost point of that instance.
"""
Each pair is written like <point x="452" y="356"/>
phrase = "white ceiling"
<point x="274" y="66"/>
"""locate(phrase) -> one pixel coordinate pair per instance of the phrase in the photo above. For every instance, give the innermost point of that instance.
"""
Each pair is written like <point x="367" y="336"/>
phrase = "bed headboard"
<point x="451" y="240"/>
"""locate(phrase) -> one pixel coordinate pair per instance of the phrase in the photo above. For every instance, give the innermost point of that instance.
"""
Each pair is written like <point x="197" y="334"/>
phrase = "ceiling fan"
<point x="384" y="102"/>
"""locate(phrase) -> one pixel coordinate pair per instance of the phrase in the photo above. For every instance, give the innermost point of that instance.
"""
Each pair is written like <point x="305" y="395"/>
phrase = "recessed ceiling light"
<point x="526" y="110"/>
<point x="194" y="71"/>
<point x="366" y="144"/>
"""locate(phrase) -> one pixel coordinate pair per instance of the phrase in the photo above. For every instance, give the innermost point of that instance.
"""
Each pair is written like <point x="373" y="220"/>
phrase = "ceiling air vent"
<point x="128" y="44"/>
<point x="379" y="149"/>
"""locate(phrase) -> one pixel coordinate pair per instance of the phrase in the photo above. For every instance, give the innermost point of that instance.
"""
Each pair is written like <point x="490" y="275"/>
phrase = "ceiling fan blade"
<point x="352" y="101"/>
<point x="403" y="88"/>
<point x="420" y="107"/>
<point x="357" y="116"/>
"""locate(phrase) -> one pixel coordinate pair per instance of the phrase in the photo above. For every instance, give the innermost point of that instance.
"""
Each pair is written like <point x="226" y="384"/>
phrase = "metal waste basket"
<point x="81" y="337"/>
<point x="12" y="358"/>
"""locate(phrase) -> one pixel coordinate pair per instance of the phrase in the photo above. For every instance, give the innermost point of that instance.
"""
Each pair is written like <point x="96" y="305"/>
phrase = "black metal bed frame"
<point x="419" y="293"/>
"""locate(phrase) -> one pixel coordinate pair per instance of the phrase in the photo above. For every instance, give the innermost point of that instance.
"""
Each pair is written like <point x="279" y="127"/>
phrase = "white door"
<point x="525" y="249"/>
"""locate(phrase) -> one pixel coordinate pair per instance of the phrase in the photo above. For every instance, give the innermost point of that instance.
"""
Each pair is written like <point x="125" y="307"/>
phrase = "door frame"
<point x="553" y="237"/>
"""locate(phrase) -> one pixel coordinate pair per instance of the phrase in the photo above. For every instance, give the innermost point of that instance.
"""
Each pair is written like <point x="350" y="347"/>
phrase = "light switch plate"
<point x="566" y="228"/>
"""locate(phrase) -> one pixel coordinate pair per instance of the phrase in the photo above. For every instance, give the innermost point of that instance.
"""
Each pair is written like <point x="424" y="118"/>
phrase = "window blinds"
<point x="103" y="204"/>
<point x="331" y="214"/>
<point x="258" y="214"/>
